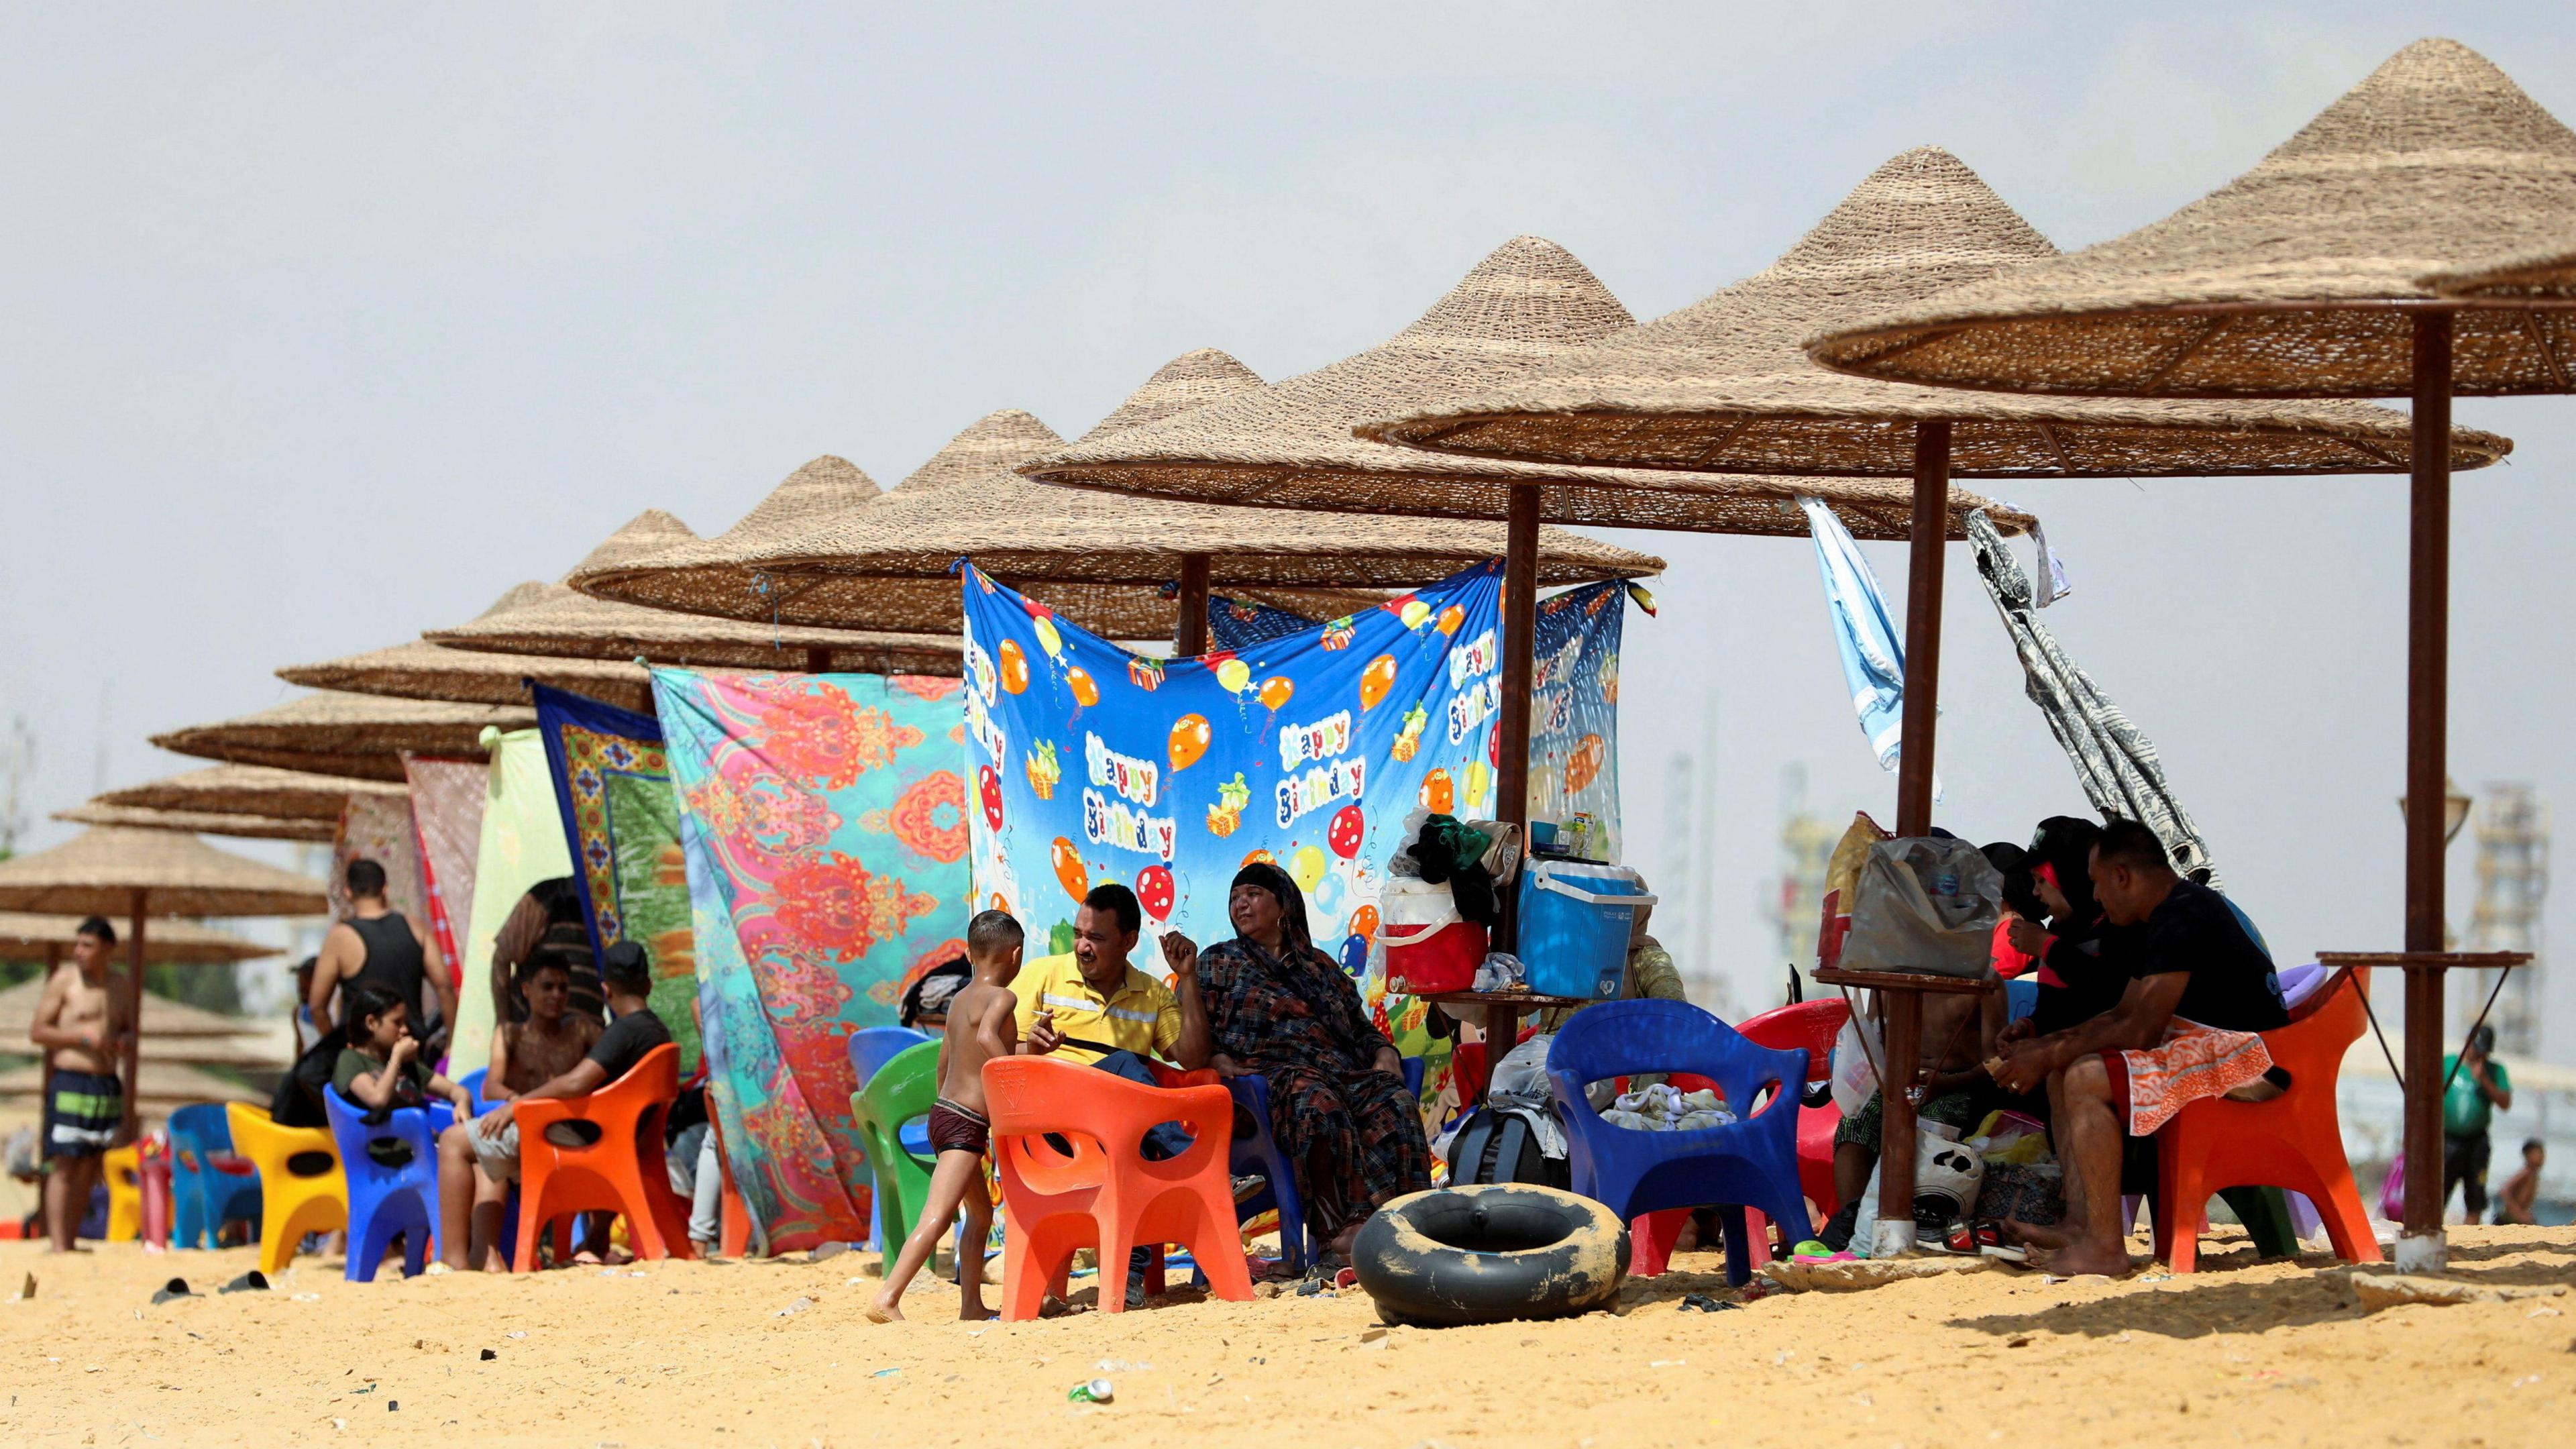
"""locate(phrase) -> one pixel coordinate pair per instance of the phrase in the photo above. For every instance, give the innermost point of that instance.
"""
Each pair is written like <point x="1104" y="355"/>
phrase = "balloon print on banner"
<point x="1309" y="749"/>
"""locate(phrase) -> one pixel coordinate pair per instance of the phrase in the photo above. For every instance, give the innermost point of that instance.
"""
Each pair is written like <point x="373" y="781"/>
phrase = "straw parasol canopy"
<point x="422" y="670"/>
<point x="251" y="790"/>
<point x="1726" y="383"/>
<point x="199" y="822"/>
<point x="553" y="619"/>
<point x="102" y="871"/>
<point x="360" y="735"/>
<point x="1290" y="445"/>
<point x="1099" y="560"/>
<point x="25" y="936"/>
<point x="2548" y="272"/>
<point x="2280" y="283"/>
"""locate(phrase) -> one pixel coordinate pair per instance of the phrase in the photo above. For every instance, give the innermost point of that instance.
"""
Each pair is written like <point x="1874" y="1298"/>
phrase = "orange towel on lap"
<point x="2192" y="1062"/>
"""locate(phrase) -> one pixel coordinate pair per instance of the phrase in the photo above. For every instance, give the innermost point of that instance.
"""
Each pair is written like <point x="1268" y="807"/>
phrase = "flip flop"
<point x="253" y="1281"/>
<point x="175" y="1288"/>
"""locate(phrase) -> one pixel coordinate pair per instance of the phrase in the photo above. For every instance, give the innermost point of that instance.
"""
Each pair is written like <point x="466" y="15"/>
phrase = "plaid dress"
<point x="1351" y="1133"/>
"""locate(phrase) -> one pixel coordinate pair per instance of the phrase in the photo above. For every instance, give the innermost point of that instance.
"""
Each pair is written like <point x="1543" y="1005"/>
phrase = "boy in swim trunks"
<point x="982" y="1025"/>
<point x="81" y="1028"/>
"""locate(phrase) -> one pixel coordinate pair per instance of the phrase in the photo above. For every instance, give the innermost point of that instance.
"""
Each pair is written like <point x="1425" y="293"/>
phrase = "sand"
<point x="696" y="1353"/>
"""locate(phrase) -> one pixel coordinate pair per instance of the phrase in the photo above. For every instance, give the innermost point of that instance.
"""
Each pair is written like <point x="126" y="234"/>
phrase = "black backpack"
<point x="1501" y="1144"/>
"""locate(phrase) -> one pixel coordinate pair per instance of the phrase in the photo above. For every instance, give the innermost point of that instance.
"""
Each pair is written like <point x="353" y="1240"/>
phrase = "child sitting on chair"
<point x="380" y="1069"/>
<point x="982" y="1025"/>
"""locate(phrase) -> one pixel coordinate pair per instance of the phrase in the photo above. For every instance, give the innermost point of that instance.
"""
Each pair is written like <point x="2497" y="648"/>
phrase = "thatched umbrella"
<point x="553" y="619"/>
<point x="358" y="735"/>
<point x="2547" y="271"/>
<point x="1101" y="561"/>
<point x="198" y="822"/>
<point x="251" y="790"/>
<point x="29" y="937"/>
<point x="2305" y="277"/>
<point x="143" y="873"/>
<point x="422" y="670"/>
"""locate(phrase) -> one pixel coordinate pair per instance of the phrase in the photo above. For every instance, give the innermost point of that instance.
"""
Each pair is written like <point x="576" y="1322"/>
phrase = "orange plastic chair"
<point x="302" y="1187"/>
<point x="1105" y="1195"/>
<point x="620" y="1171"/>
<point x="2293" y="1141"/>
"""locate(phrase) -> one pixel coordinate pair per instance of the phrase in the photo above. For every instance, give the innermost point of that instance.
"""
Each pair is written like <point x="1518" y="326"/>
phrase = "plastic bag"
<point x="1925" y="904"/>
<point x="1855" y="1052"/>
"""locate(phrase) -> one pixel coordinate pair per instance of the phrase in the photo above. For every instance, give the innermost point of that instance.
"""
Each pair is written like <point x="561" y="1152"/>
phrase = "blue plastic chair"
<point x="203" y="1196"/>
<point x="385" y="1200"/>
<point x="1752" y="1162"/>
<point x="1260" y="1153"/>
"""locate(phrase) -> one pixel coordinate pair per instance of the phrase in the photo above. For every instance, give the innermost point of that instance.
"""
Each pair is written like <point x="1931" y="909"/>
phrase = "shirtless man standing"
<point x="81" y="1028"/>
<point x="525" y="1056"/>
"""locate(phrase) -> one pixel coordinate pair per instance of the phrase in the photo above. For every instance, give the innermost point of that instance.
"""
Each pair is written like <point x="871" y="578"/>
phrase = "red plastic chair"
<point x="619" y="1171"/>
<point x="2293" y="1141"/>
<point x="1105" y="1195"/>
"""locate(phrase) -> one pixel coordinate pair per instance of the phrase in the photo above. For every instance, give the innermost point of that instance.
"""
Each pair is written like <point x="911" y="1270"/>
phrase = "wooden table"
<point x="1502" y="1011"/>
<point x="1903" y="1018"/>
<point x="2423" y="1058"/>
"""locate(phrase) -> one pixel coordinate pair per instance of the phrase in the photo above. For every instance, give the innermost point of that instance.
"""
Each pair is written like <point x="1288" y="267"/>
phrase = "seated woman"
<point x="1338" y="1105"/>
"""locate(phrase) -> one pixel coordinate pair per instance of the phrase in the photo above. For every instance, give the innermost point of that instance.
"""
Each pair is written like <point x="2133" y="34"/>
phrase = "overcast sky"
<point x="324" y="325"/>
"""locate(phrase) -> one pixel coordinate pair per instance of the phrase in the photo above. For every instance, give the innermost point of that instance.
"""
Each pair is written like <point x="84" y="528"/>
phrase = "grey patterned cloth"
<point x="2116" y="764"/>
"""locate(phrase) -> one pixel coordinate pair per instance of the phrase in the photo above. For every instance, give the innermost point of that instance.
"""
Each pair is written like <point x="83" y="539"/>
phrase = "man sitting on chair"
<point x="490" y="1143"/>
<point x="2201" y="987"/>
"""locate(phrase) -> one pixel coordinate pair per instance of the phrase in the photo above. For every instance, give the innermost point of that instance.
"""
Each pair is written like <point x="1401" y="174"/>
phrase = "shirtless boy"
<point x="1958" y="1034"/>
<point x="525" y="1056"/>
<point x="81" y="1027"/>
<point x="982" y="1025"/>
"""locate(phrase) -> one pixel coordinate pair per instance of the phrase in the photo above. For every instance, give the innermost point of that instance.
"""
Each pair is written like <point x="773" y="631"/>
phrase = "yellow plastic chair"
<point x="302" y="1188"/>
<point x="124" y="1173"/>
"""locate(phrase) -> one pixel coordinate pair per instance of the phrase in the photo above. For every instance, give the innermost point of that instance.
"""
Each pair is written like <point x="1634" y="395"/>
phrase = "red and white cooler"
<point x="1430" y="948"/>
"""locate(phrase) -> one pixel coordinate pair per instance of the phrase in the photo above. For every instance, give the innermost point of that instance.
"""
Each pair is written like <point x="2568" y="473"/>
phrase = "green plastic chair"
<point x="903" y="1089"/>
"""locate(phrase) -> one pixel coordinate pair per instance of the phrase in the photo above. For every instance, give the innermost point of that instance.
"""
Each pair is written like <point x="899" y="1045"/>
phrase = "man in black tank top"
<point x="378" y="945"/>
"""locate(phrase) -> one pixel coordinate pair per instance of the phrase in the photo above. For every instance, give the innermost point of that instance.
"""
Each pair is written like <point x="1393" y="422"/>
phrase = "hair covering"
<point x="937" y="987"/>
<point x="2065" y="843"/>
<point x="1296" y="936"/>
<point x="625" y="964"/>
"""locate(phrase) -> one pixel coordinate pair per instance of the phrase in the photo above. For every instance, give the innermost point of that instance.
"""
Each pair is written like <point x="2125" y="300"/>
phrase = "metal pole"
<point x="1511" y="773"/>
<point x="1190" y="631"/>
<point x="1902" y="1011"/>
<point x="133" y="1064"/>
<point x="2420" y="1247"/>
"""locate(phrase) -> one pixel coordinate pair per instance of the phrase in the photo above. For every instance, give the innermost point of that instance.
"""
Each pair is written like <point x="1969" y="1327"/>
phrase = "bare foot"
<point x="2034" y="1235"/>
<point x="885" y="1309"/>
<point x="976" y="1312"/>
<point x="2078" y="1256"/>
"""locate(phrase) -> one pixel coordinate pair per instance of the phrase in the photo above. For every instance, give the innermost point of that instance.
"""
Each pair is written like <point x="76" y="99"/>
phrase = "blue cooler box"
<point x="1574" y="923"/>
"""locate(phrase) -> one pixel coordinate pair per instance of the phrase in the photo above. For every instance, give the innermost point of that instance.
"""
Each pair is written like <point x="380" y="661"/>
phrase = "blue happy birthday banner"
<point x="1095" y="765"/>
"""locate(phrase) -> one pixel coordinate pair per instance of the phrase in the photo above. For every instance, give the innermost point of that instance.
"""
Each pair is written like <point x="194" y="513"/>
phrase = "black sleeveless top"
<point x="393" y="956"/>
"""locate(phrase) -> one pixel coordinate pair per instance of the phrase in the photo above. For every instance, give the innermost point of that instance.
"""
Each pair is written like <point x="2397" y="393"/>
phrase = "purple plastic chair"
<point x="1752" y="1162"/>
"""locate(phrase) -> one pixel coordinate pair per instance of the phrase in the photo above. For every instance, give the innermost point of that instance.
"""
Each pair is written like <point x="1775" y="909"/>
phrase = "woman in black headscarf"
<point x="1338" y="1105"/>
<point x="2075" y="982"/>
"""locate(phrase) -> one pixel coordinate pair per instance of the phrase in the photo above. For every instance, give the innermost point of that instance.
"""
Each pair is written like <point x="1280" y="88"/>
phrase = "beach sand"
<point x="697" y="1353"/>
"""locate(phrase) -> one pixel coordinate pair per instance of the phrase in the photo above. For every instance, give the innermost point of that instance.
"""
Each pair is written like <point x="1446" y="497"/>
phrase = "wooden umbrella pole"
<point x="1190" y="631"/>
<point x="818" y="660"/>
<point x="133" y="1017"/>
<point x="2428" y="661"/>
<point x="1903" y="1010"/>
<point x="1511" y="760"/>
